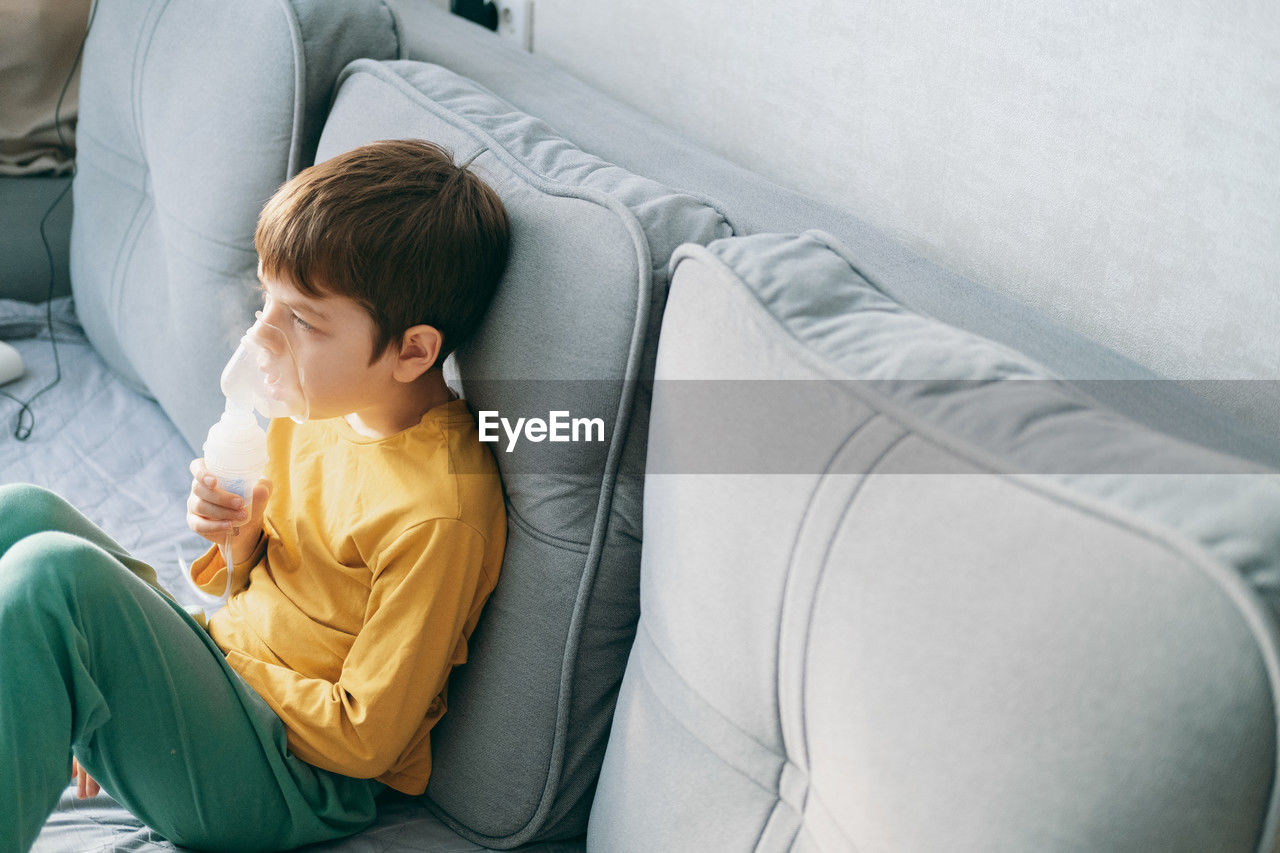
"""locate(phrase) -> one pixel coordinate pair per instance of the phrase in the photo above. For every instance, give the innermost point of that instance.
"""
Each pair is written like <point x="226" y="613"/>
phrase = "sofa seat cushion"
<point x="904" y="590"/>
<point x="403" y="826"/>
<point x="572" y="328"/>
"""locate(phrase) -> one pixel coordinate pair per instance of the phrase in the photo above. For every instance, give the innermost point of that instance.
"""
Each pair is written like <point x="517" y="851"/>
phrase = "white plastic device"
<point x="10" y="364"/>
<point x="263" y="374"/>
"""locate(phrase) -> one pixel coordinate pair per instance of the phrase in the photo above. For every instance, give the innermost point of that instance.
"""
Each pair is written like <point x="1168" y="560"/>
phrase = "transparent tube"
<point x="238" y="482"/>
<point x="242" y="486"/>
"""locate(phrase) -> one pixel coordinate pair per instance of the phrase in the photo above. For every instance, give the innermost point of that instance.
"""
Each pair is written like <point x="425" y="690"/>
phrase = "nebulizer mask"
<point x="263" y="375"/>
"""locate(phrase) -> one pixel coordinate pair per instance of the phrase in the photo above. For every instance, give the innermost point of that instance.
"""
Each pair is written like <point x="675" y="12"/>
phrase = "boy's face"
<point x="332" y="339"/>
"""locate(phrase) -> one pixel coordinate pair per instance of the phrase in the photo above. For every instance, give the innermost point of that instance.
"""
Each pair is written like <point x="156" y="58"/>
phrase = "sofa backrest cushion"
<point x="191" y="115"/>
<point x="572" y="328"/>
<point x="902" y="589"/>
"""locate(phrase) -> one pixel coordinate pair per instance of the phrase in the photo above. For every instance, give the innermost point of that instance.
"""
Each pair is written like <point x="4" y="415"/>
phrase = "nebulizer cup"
<point x="262" y="375"/>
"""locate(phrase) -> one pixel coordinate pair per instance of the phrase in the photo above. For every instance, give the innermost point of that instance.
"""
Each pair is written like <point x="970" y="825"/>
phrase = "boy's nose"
<point x="268" y="312"/>
<point x="268" y="335"/>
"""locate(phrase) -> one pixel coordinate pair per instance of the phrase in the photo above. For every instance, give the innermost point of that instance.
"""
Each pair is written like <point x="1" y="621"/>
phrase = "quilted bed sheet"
<point x="117" y="458"/>
<point x="104" y="447"/>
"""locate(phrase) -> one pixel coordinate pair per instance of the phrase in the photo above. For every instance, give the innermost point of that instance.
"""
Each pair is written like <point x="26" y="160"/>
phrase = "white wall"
<point x="1115" y="164"/>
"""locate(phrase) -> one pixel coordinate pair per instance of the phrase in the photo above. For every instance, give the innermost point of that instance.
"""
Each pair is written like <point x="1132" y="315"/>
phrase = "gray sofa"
<point x="870" y="557"/>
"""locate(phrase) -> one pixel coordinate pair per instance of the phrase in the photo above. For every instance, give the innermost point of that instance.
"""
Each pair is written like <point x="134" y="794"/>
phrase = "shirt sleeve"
<point x="209" y="574"/>
<point x="424" y="586"/>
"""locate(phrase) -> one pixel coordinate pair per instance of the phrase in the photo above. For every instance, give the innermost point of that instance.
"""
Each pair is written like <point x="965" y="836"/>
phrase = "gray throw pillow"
<point x="573" y="328"/>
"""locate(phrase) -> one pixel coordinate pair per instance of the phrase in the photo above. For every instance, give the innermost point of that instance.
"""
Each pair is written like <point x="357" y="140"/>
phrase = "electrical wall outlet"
<point x="515" y="21"/>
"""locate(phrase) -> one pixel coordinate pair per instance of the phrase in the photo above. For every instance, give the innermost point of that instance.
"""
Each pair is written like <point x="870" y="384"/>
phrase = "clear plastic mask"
<point x="263" y="374"/>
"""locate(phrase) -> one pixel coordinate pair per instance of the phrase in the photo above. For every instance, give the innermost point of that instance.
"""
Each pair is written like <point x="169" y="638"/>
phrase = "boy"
<point x="359" y="568"/>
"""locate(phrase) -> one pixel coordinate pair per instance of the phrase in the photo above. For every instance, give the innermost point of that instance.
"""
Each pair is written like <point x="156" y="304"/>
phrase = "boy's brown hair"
<point x="396" y="227"/>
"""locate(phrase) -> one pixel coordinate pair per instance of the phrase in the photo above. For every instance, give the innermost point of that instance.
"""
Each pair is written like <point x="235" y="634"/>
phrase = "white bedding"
<point x="108" y="450"/>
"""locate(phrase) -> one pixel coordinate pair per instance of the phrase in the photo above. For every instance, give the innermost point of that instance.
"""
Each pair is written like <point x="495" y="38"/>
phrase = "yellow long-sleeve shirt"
<point x="378" y="557"/>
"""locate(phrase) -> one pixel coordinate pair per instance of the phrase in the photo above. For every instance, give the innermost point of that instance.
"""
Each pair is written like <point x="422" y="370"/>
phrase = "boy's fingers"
<point x="214" y="531"/>
<point x="214" y="503"/>
<point x="213" y="511"/>
<point x="198" y="471"/>
<point x="86" y="785"/>
<point x="213" y="497"/>
<point x="208" y="527"/>
<point x="201" y="475"/>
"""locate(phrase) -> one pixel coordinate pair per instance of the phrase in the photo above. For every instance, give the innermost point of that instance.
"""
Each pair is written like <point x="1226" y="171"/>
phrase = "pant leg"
<point x="26" y="508"/>
<point x="93" y="659"/>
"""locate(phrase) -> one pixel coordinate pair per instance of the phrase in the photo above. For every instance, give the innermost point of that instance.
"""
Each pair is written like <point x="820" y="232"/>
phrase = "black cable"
<point x="26" y="420"/>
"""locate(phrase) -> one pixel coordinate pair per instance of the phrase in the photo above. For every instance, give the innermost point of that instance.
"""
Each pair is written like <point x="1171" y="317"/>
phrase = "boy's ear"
<point x="419" y="348"/>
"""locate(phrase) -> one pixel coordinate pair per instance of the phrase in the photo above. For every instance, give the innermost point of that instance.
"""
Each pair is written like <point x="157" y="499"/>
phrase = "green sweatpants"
<point x="96" y="660"/>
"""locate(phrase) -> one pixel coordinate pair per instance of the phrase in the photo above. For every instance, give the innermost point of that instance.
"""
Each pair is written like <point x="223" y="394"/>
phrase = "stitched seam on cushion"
<point x="182" y="225"/>
<point x="133" y="234"/>
<point x="299" y="87"/>
<point x="123" y="259"/>
<point x="817" y="589"/>
<point x="395" y="32"/>
<point x="82" y="132"/>
<point x="810" y="791"/>
<point x="658" y="697"/>
<point x="789" y="593"/>
<point x="655" y="692"/>
<point x="666" y="661"/>
<point x="680" y="722"/>
<point x="1260" y="622"/>
<point x="155" y="13"/>
<point x="566" y="544"/>
<point x="707" y="201"/>
<point x="612" y="468"/>
<point x="791" y="558"/>
<point x="194" y="260"/>
<point x="112" y="176"/>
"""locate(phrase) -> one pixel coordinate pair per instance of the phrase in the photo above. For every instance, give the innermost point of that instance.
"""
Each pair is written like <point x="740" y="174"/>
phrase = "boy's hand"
<point x="85" y="785"/>
<point x="212" y="512"/>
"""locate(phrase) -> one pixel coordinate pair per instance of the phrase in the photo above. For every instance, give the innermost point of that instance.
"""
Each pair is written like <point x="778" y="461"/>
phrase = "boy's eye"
<point x="301" y="323"/>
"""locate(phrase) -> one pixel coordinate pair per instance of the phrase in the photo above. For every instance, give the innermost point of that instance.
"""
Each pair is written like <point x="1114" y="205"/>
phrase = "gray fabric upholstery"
<point x="573" y="327"/>
<point x="24" y="263"/>
<point x="191" y="116"/>
<point x="944" y="636"/>
<point x="403" y="826"/>
<point x="1012" y="635"/>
